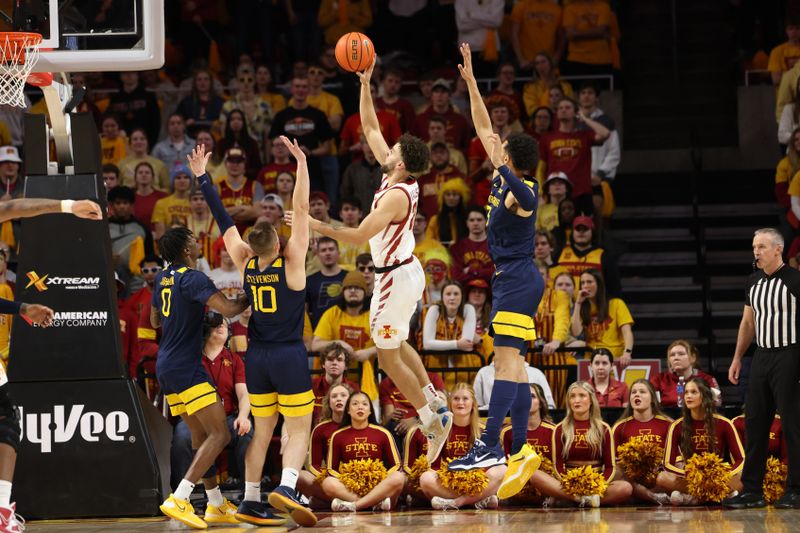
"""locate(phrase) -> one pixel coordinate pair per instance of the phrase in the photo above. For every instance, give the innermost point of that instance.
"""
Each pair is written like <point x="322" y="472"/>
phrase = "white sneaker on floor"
<point x="443" y="504"/>
<point x="592" y="501"/>
<point x="341" y="506"/>
<point x="678" y="498"/>
<point x="662" y="498"/>
<point x="491" y="502"/>
<point x="384" y="506"/>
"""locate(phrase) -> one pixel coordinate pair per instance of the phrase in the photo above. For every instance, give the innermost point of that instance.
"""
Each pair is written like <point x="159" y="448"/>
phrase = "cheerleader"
<point x="581" y="439"/>
<point x="643" y="420"/>
<point x="466" y="429"/>
<point x="330" y="420"/>
<point x="777" y="444"/>
<point x="540" y="438"/>
<point x="707" y="432"/>
<point x="362" y="438"/>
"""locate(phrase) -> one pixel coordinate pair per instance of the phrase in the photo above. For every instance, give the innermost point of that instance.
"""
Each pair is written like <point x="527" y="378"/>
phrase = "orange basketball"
<point x="354" y="51"/>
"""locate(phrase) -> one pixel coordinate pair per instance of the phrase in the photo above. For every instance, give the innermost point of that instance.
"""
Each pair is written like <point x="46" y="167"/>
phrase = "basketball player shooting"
<point x="517" y="288"/>
<point x="399" y="278"/>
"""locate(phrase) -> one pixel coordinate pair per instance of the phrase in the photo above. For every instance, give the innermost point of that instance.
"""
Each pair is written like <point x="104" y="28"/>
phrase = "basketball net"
<point x="19" y="52"/>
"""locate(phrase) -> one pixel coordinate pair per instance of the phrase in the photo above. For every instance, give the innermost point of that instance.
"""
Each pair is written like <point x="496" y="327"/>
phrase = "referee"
<point x="771" y="315"/>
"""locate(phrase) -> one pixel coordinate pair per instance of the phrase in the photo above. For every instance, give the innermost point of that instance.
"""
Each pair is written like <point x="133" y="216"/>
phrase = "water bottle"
<point x="679" y="388"/>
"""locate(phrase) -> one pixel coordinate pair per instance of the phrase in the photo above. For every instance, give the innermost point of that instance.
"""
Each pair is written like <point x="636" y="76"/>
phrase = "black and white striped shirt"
<point x="774" y="300"/>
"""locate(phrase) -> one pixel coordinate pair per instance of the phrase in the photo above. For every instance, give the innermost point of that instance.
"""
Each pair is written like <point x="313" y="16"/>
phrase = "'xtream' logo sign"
<point x="46" y="429"/>
<point x="41" y="283"/>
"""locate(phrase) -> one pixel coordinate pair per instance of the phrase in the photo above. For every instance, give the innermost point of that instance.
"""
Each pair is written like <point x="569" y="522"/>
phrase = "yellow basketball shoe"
<point x="521" y="466"/>
<point x="182" y="511"/>
<point x="224" y="514"/>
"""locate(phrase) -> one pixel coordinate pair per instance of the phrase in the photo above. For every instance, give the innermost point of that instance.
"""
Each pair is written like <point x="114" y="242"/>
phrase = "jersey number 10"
<point x="262" y="302"/>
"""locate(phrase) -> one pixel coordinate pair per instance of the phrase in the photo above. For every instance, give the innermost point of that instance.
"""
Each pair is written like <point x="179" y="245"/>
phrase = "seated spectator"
<point x="421" y="100"/>
<point x="583" y="255"/>
<point x="352" y="140"/>
<point x="424" y="243"/>
<point x="362" y="178"/>
<point x="130" y="239"/>
<point x="227" y="277"/>
<point x="139" y="305"/>
<point x="280" y="162"/>
<point x="478" y="296"/>
<point x="397" y="413"/>
<point x="790" y="119"/>
<point x="239" y="195"/>
<point x="436" y="266"/>
<point x="335" y="361"/>
<point x="138" y="153"/>
<point x="681" y="362"/>
<point x="113" y="142"/>
<point x="227" y="372"/>
<point x="324" y="287"/>
<point x="465" y="430"/>
<point x="271" y="210"/>
<point x="321" y="99"/>
<point x="127" y="330"/>
<point x="784" y="56"/>
<point x="610" y="392"/>
<point x="146" y="194"/>
<point x="457" y="130"/>
<point x="556" y="187"/>
<point x="484" y="383"/>
<point x="337" y="19"/>
<point x="265" y="90"/>
<point x="606" y="156"/>
<point x="319" y="207"/>
<point x="563" y="231"/>
<point x="329" y="422"/>
<point x="256" y="113"/>
<point x="605" y="322"/>
<point x="535" y="26"/>
<point x="587" y="27"/>
<point x="215" y="167"/>
<point x="536" y="93"/>
<point x="238" y="342"/>
<point x="175" y="208"/>
<point x="110" y="176"/>
<point x="358" y="427"/>
<point x="173" y="150"/>
<point x="204" y="227"/>
<point x="506" y="76"/>
<point x="470" y="254"/>
<point x="449" y="325"/>
<point x="448" y="225"/>
<point x="236" y="136"/>
<point x="543" y="248"/>
<point x="437" y="130"/>
<point x="200" y="109"/>
<point x="366" y="266"/>
<point x="351" y="214"/>
<point x="541" y="122"/>
<point x="502" y="113"/>
<point x="346" y="323"/>
<point x="787" y="169"/>
<point x="431" y="183"/>
<point x="284" y="188"/>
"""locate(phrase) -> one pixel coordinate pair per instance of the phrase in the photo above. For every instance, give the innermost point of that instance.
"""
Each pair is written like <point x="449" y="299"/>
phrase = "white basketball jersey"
<point x="396" y="242"/>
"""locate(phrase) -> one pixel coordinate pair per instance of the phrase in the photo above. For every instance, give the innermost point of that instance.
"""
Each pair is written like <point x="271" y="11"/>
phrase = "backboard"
<point x="78" y="36"/>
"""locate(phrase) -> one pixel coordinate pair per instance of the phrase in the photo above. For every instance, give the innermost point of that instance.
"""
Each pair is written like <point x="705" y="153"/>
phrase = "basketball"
<point x="354" y="51"/>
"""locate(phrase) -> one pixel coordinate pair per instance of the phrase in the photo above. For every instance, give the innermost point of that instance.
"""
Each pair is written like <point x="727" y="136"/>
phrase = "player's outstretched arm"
<point x="393" y="207"/>
<point x="480" y="115"/>
<point x="41" y="315"/>
<point x="31" y="207"/>
<point x="369" y="119"/>
<point x="227" y="307"/>
<point x="237" y="248"/>
<point x="297" y="246"/>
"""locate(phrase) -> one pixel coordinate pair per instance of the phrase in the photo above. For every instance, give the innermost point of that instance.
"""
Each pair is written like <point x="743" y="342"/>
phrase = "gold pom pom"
<point x="463" y="483"/>
<point x="640" y="460"/>
<point x="420" y="467"/>
<point x="707" y="477"/>
<point x="774" y="480"/>
<point x="584" y="481"/>
<point x="323" y="473"/>
<point x="360" y="476"/>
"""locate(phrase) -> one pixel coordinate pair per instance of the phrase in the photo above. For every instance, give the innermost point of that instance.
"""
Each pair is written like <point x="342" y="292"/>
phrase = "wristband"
<point x="66" y="206"/>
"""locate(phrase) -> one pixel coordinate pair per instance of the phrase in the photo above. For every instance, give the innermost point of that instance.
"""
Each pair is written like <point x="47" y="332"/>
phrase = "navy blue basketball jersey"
<point x="180" y="295"/>
<point x="510" y="235"/>
<point x="277" y="309"/>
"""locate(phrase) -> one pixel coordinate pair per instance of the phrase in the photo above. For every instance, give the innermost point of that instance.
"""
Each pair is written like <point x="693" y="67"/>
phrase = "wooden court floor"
<point x="616" y="520"/>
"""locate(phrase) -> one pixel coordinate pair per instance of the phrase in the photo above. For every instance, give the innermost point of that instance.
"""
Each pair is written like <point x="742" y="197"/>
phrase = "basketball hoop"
<point x="19" y="52"/>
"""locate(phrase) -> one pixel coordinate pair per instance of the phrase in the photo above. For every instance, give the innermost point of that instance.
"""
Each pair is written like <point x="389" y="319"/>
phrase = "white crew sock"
<point x="252" y="491"/>
<point x="289" y="478"/>
<point x="215" y="496"/>
<point x="5" y="494"/>
<point x="430" y="393"/>
<point x="184" y="490"/>
<point x="425" y="415"/>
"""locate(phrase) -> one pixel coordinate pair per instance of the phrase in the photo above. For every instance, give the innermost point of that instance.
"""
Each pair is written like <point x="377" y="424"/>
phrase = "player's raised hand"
<point x="87" y="209"/>
<point x="367" y="74"/>
<point x="466" y="67"/>
<point x="294" y="148"/>
<point x="496" y="152"/>
<point x="198" y="160"/>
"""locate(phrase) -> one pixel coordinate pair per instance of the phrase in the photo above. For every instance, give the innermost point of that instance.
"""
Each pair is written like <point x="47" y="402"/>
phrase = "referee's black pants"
<point x="774" y="383"/>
